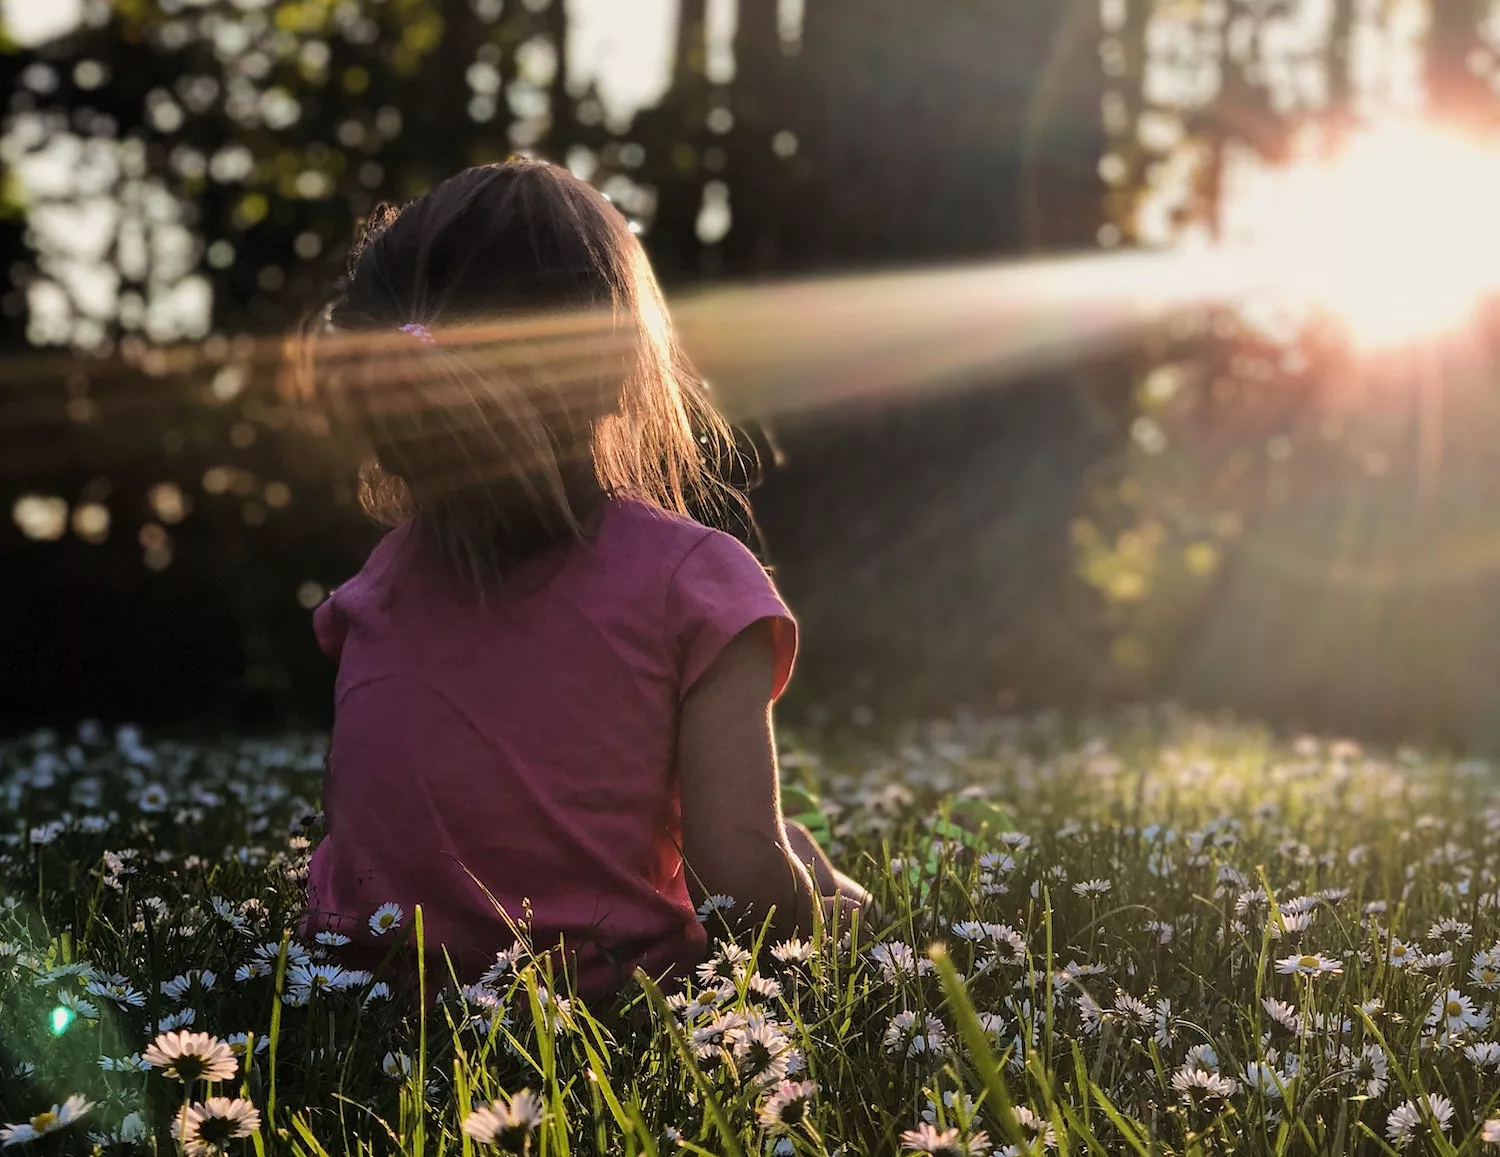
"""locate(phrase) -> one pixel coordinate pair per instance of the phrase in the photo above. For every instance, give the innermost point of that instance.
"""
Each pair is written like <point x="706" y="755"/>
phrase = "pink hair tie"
<point x="420" y="332"/>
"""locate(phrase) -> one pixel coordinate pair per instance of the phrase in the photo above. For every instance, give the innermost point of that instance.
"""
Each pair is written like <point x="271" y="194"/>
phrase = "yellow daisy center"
<point x="1454" y="1008"/>
<point x="1309" y="962"/>
<point x="44" y="1121"/>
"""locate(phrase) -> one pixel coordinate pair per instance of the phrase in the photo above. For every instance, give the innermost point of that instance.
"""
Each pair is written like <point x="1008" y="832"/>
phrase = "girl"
<point x="554" y="686"/>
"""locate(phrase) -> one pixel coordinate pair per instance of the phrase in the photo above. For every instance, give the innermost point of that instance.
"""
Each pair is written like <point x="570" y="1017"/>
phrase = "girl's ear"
<point x="386" y="462"/>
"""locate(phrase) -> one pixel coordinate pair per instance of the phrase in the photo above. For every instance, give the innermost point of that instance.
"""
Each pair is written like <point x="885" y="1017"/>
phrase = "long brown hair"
<point x="502" y="348"/>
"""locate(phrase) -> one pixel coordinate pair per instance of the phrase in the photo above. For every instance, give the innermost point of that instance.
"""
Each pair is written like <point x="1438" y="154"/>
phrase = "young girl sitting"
<point x="554" y="687"/>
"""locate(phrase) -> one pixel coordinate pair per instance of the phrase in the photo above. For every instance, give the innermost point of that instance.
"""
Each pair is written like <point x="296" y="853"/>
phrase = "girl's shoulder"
<point x="633" y="522"/>
<point x="672" y="549"/>
<point x="642" y="543"/>
<point x="371" y="580"/>
<point x="385" y="555"/>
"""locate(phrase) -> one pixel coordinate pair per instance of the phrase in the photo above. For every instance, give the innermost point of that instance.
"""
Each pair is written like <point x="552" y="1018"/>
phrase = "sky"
<point x="625" y="45"/>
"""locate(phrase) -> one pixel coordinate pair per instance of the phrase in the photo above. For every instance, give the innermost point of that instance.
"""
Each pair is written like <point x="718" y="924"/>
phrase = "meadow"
<point x="1150" y="934"/>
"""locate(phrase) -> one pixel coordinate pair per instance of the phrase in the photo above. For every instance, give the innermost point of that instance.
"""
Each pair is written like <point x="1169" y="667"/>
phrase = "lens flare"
<point x="60" y="1018"/>
<point x="1395" y="236"/>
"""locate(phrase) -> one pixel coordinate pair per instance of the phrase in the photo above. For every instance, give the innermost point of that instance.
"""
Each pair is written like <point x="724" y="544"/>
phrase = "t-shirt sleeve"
<point x="329" y="628"/>
<point x="717" y="592"/>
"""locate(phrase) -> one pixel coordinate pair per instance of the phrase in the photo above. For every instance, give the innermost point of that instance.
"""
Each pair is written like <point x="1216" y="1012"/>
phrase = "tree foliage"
<point x="1293" y="526"/>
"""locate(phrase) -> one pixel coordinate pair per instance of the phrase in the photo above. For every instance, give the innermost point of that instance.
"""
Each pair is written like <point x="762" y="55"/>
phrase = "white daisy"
<point x="1407" y="1122"/>
<point x="239" y="1042"/>
<point x="1038" y="1129"/>
<point x="787" y="1106"/>
<point x="1451" y="931"/>
<point x="1454" y="1012"/>
<point x="179" y="986"/>
<point x="153" y="798"/>
<point x="764" y="987"/>
<point x="944" y="1142"/>
<point x="1133" y="1011"/>
<point x="84" y="1009"/>
<point x="134" y="1063"/>
<point x="53" y="1119"/>
<point x="1264" y="1079"/>
<point x="317" y="978"/>
<point x="506" y="961"/>
<point x="179" y="1019"/>
<point x="759" y="1047"/>
<point x="915" y="1034"/>
<point x="1199" y="1086"/>
<point x="718" y="902"/>
<point x="1370" y="1069"/>
<point x="1290" y="922"/>
<point x="1164" y="930"/>
<point x="1484" y="1054"/>
<point x="191" y="1056"/>
<point x="1165" y="1024"/>
<point x="506" y="1123"/>
<point x="958" y="1107"/>
<point x="131" y="1130"/>
<point x="1202" y="1056"/>
<point x="794" y="951"/>
<point x="1309" y="964"/>
<point x="897" y="962"/>
<point x="270" y="952"/>
<point x="387" y="918"/>
<point x="118" y="992"/>
<point x="206" y="1128"/>
<point x="1007" y="946"/>
<point x="727" y="965"/>
<point x="709" y="1040"/>
<point x="226" y="912"/>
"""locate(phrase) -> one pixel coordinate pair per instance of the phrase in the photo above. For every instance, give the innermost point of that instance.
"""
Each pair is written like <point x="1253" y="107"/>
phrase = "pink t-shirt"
<point x="524" y="747"/>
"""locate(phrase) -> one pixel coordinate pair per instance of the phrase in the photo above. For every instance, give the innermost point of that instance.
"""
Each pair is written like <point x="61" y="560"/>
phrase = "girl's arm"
<point x="732" y="832"/>
<point x="828" y="879"/>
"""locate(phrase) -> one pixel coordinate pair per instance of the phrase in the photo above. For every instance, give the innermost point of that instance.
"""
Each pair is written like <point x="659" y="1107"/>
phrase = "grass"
<point x="1196" y="940"/>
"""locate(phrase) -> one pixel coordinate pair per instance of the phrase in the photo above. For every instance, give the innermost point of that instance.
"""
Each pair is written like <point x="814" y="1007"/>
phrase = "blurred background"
<point x="1097" y="350"/>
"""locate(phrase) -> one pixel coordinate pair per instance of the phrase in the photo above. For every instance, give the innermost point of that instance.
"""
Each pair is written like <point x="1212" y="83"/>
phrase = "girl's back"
<point x="518" y="753"/>
<point x="554" y="686"/>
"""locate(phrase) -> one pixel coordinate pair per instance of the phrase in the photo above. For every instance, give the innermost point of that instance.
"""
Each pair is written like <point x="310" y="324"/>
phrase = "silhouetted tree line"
<point x="1030" y="544"/>
<point x="924" y="546"/>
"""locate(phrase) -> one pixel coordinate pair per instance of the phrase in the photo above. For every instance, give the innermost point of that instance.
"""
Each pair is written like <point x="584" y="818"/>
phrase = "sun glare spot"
<point x="1396" y="236"/>
<point x="60" y="1018"/>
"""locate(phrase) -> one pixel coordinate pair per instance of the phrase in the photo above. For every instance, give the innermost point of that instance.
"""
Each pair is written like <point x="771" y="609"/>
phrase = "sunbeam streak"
<point x="773" y="350"/>
<point x="794" y="346"/>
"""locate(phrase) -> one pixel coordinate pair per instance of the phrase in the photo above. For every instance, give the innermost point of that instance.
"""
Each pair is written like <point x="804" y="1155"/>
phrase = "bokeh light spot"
<point x="60" y="1018"/>
<point x="41" y="517"/>
<point x="91" y="522"/>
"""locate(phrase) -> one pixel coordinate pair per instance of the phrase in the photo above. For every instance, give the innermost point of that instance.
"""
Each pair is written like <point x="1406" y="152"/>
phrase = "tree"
<point x="1272" y="536"/>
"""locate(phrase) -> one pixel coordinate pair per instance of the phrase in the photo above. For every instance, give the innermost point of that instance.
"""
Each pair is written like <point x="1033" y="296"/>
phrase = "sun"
<point x="1397" y="236"/>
